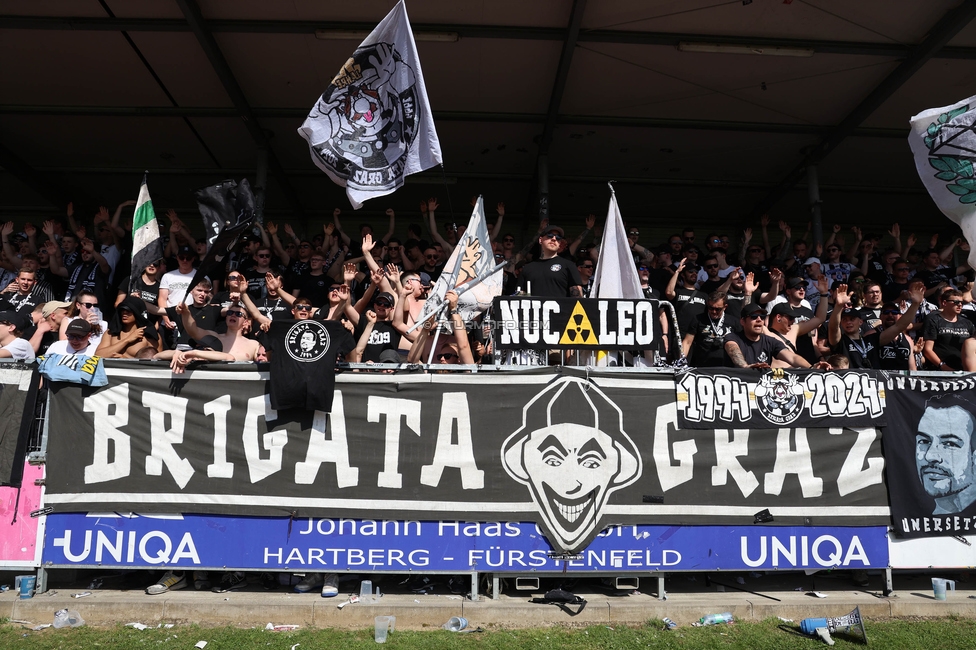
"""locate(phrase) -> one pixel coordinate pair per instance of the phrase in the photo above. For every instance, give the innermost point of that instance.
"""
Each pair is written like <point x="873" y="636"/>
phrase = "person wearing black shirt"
<point x="899" y="354"/>
<point x="704" y="344"/>
<point x="315" y="284"/>
<point x="383" y="336"/>
<point x="26" y="296"/>
<point x="751" y="348"/>
<point x="205" y="315"/>
<point x="845" y="336"/>
<point x="949" y="343"/>
<point x="688" y="301"/>
<point x="899" y="280"/>
<point x="551" y="276"/>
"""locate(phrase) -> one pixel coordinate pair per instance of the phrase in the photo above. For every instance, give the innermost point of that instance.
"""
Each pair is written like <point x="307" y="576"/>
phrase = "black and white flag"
<point x="372" y="127"/>
<point x="229" y="208"/>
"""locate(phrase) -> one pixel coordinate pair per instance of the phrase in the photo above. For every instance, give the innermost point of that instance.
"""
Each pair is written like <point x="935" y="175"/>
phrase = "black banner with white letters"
<point x="744" y="397"/>
<point x="570" y="451"/>
<point x="931" y="464"/>
<point x="531" y="323"/>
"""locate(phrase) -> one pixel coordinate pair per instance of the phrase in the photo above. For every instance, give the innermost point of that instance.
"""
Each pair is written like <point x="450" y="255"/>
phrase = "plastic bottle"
<point x="716" y="619"/>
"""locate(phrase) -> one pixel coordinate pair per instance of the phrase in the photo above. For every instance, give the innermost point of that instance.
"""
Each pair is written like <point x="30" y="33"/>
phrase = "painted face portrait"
<point x="944" y="457"/>
<point x="572" y="454"/>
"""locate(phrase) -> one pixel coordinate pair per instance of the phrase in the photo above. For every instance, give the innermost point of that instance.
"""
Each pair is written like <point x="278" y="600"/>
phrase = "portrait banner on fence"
<point x="569" y="452"/>
<point x="931" y="465"/>
<point x="744" y="397"/>
<point x="529" y="323"/>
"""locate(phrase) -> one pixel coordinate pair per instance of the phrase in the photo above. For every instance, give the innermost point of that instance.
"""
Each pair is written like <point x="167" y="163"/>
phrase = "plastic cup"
<point x="366" y="592"/>
<point x="27" y="584"/>
<point x="939" y="587"/>
<point x="456" y="624"/>
<point x="381" y="627"/>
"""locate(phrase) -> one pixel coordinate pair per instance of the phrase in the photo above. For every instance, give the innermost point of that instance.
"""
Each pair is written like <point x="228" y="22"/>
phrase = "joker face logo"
<point x="572" y="454"/>
<point x="367" y="118"/>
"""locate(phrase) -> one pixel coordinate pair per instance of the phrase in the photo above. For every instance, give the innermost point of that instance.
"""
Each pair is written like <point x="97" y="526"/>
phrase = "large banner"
<point x="743" y="397"/>
<point x="569" y="452"/>
<point x="929" y="446"/>
<point x="278" y="543"/>
<point x="18" y="401"/>
<point x="529" y="323"/>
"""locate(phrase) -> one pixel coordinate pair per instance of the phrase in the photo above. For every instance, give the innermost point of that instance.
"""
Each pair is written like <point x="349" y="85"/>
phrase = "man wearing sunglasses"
<point x="383" y="336"/>
<point x="551" y="276"/>
<point x="949" y="342"/>
<point x="256" y="285"/>
<point x="751" y="348"/>
<point x="233" y="341"/>
<point x="77" y="340"/>
<point x="586" y="268"/>
<point x="899" y="353"/>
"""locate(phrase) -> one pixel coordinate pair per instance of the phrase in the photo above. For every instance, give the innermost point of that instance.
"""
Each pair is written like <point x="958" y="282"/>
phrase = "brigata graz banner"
<point x="569" y="452"/>
<point x="278" y="543"/>
<point x="531" y="323"/>
<point x="744" y="397"/>
<point x="930" y="449"/>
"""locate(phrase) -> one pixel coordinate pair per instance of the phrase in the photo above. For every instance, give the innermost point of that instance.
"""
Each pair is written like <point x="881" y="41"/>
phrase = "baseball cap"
<point x="783" y="308"/>
<point x="388" y="297"/>
<point x="186" y="251"/>
<point x="753" y="308"/>
<point x="52" y="306"/>
<point x="424" y="279"/>
<point x="852" y="312"/>
<point x="389" y="356"/>
<point x="811" y="260"/>
<point x="79" y="326"/>
<point x="13" y="318"/>
<point x="555" y="229"/>
<point x="794" y="282"/>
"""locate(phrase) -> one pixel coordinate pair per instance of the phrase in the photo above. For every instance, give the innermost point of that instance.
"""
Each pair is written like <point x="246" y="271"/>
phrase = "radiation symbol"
<point x="578" y="331"/>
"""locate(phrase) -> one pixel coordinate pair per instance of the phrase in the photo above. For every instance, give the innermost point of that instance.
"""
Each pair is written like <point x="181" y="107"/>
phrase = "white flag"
<point x="372" y="127"/>
<point x="471" y="264"/>
<point x="616" y="274"/>
<point x="943" y="141"/>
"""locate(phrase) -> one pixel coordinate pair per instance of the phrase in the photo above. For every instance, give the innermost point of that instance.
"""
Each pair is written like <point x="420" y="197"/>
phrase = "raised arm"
<point x="357" y="354"/>
<point x="190" y="325"/>
<point x="588" y="228"/>
<point x="889" y="333"/>
<point x="272" y="229"/>
<point x="389" y="232"/>
<point x="673" y="282"/>
<point x="500" y="209"/>
<point x="820" y="315"/>
<point x="833" y="330"/>
<point x="338" y="227"/>
<point x="432" y="206"/>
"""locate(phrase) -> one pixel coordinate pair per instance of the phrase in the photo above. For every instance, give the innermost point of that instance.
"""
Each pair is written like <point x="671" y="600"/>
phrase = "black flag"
<point x="228" y="207"/>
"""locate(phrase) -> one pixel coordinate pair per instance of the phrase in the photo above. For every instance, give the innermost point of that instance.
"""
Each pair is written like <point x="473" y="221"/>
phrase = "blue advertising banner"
<point x="336" y="545"/>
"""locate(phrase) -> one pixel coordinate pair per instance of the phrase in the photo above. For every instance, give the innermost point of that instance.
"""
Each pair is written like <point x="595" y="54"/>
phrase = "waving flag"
<point x="147" y="245"/>
<point x="372" y="127"/>
<point x="231" y="208"/>
<point x="943" y="141"/>
<point x="470" y="271"/>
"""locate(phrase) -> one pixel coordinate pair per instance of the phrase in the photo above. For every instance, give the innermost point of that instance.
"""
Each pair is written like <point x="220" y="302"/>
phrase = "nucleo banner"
<point x="278" y="543"/>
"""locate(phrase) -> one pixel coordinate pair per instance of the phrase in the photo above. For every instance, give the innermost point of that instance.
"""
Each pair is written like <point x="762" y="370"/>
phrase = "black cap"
<point x="836" y="283"/>
<point x="186" y="251"/>
<point x="79" y="326"/>
<point x="783" y="308"/>
<point x="13" y="318"/>
<point x="388" y="297"/>
<point x="852" y="312"/>
<point x="752" y="308"/>
<point x="795" y="282"/>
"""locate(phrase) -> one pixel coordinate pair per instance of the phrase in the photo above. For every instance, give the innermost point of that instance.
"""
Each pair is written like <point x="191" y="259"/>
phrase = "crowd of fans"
<point x="860" y="300"/>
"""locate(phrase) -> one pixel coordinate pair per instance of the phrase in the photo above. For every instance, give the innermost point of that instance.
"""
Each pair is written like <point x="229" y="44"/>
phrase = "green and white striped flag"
<point x="147" y="245"/>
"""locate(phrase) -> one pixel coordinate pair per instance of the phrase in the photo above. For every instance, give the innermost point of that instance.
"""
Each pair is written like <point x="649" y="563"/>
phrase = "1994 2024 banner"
<point x="570" y="452"/>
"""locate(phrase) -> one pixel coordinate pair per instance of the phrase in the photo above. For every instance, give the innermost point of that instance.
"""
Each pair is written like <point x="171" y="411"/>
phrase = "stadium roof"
<point x="703" y="111"/>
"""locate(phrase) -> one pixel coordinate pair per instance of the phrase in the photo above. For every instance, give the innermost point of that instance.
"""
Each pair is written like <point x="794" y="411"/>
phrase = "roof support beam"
<point x="209" y="44"/>
<point x="671" y="39"/>
<point x="457" y="116"/>
<point x="948" y="26"/>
